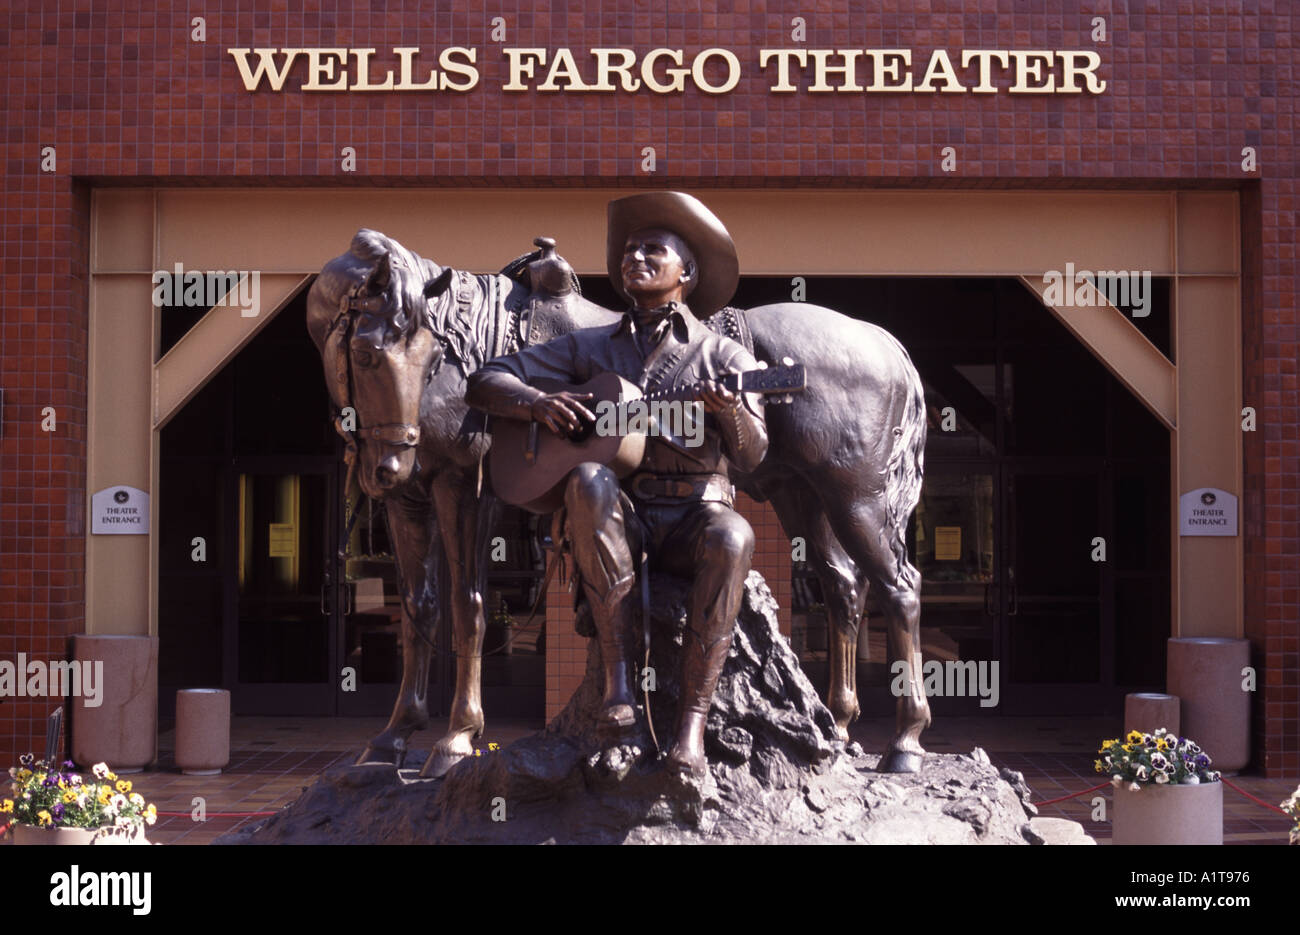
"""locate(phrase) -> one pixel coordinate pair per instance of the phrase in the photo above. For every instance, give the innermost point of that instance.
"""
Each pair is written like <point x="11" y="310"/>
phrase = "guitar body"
<point x="528" y="463"/>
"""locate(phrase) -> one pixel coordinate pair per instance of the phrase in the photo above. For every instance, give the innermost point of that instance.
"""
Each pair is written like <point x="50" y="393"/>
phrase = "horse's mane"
<point x="459" y="326"/>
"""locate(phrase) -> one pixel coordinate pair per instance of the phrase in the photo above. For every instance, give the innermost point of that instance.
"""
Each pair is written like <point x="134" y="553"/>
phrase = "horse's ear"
<point x="379" y="278"/>
<point x="438" y="285"/>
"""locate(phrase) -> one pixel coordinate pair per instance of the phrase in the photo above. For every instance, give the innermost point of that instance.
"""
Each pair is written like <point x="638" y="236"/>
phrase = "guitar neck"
<point x="731" y="381"/>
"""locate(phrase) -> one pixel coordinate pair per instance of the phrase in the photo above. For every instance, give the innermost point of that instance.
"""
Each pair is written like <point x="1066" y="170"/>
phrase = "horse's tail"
<point x="906" y="467"/>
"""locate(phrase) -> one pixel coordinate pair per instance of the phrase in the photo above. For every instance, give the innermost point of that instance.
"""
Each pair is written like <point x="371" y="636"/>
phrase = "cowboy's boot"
<point x="701" y="667"/>
<point x="598" y="538"/>
<point x="613" y="617"/>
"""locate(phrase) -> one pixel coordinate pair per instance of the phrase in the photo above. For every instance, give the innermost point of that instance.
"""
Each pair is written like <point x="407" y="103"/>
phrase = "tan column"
<point x="1207" y="447"/>
<point x="120" y="429"/>
<point x="1207" y="451"/>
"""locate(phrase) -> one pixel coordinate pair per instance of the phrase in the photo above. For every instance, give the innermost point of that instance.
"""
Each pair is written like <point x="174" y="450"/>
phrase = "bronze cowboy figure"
<point x="663" y="247"/>
<point x="400" y="336"/>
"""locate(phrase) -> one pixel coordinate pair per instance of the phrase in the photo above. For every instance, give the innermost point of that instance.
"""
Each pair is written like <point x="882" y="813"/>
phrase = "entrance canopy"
<point x="285" y="236"/>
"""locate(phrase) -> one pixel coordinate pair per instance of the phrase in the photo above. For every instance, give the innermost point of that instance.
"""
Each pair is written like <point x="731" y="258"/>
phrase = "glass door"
<point x="1055" y="581"/>
<point x="956" y="534"/>
<point x="280" y="643"/>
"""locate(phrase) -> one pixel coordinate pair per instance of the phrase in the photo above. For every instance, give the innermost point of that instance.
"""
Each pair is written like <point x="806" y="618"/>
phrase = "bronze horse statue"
<point x="399" y="336"/>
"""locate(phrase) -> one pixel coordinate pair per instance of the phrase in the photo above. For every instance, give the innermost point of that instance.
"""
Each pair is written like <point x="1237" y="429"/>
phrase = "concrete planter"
<point x="122" y="729"/>
<point x="1205" y="672"/>
<point x="1168" y="814"/>
<point x="30" y="835"/>
<point x="202" y="731"/>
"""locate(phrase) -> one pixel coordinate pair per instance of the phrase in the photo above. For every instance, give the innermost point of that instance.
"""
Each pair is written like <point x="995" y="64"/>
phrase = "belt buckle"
<point x="637" y="488"/>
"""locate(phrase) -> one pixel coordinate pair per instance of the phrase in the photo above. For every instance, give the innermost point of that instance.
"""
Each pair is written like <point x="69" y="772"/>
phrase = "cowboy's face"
<point x="657" y="268"/>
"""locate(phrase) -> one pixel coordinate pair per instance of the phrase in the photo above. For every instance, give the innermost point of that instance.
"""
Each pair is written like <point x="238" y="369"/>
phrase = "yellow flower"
<point x="24" y="774"/>
<point x="1096" y="765"/>
<point x="1134" y="736"/>
<point x="43" y="818"/>
<point x="1127" y="748"/>
<point x="69" y="797"/>
<point x="1162" y="744"/>
<point x="123" y="786"/>
<point x="1107" y="744"/>
<point x="105" y="793"/>
<point x="111" y="777"/>
<point x="6" y="806"/>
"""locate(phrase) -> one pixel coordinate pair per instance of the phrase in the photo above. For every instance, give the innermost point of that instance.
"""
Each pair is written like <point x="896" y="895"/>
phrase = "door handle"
<point x="990" y="591"/>
<point x="1013" y="600"/>
<point x="347" y="599"/>
<point x="324" y="597"/>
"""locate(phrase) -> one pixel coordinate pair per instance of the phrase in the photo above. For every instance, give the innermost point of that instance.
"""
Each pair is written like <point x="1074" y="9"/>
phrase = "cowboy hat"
<point x="718" y="269"/>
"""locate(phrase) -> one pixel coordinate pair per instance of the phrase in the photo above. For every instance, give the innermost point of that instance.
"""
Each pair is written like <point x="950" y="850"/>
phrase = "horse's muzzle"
<point x="387" y="471"/>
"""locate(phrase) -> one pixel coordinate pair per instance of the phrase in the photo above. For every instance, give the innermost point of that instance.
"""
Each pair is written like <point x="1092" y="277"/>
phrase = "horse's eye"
<point x="364" y="359"/>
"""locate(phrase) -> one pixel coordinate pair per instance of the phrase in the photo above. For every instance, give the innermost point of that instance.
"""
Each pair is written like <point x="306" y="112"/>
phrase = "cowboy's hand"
<point x="562" y="412"/>
<point x="717" y="397"/>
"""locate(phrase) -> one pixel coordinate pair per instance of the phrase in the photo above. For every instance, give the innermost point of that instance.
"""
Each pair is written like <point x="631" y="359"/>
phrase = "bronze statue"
<point x="399" y="337"/>
<point x="678" y="506"/>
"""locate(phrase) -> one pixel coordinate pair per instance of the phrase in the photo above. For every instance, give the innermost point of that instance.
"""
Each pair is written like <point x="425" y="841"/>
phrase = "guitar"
<point x="528" y="463"/>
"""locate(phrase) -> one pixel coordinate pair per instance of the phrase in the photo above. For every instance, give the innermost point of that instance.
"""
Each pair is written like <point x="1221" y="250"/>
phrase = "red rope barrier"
<point x="216" y="814"/>
<point x="1231" y="785"/>
<point x="1235" y="788"/>
<point x="1073" y="795"/>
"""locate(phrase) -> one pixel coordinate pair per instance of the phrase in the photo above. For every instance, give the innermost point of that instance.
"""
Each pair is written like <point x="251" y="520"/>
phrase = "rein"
<point x="399" y="434"/>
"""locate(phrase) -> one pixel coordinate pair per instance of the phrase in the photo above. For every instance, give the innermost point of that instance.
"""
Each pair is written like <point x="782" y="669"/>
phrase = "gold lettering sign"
<point x="672" y="71"/>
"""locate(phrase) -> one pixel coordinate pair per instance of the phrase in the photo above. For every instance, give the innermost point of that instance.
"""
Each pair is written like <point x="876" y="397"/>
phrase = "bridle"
<point x="398" y="434"/>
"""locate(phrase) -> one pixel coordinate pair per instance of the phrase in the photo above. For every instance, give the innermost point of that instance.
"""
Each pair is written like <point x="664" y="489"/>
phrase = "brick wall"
<point x="124" y="96"/>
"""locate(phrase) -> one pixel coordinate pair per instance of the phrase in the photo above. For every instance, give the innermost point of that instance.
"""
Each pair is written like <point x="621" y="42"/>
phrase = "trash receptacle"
<point x="202" y="730"/>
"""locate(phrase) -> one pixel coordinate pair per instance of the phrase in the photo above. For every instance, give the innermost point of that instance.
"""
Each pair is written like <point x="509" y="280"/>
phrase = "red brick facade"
<point x="125" y="96"/>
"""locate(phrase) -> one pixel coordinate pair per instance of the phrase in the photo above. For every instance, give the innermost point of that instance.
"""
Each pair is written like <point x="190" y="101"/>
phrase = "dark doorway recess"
<point x="252" y="466"/>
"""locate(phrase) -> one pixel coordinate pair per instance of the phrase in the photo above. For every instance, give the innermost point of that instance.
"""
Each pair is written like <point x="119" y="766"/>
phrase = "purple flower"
<point x="57" y="811"/>
<point x="68" y="764"/>
<point x="26" y="759"/>
<point x="1202" y="761"/>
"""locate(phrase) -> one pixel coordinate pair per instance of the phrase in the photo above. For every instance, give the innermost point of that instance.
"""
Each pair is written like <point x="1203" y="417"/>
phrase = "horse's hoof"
<point x="616" y="719"/>
<point x="382" y="755"/>
<point x="901" y="761"/>
<point x="439" y="764"/>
